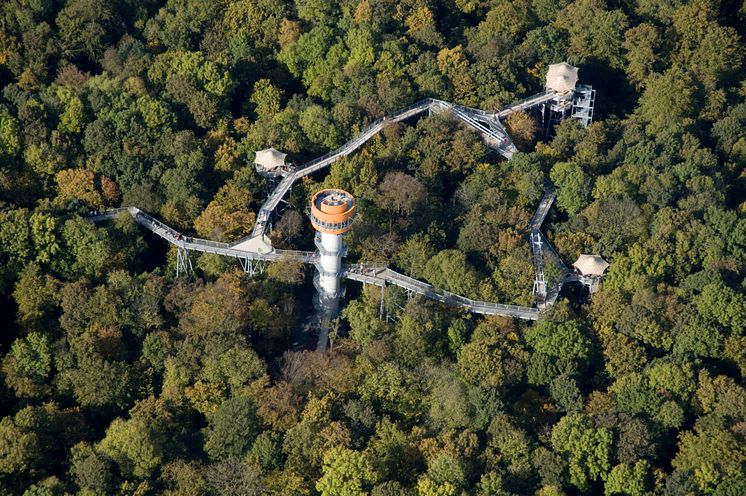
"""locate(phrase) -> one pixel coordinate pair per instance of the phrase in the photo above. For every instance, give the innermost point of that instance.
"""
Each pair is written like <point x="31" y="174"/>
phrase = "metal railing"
<point x="486" y="123"/>
<point x="503" y="145"/>
<point x="543" y="208"/>
<point x="379" y="275"/>
<point x="335" y="226"/>
<point x="529" y="102"/>
<point x="376" y="281"/>
<point x="369" y="131"/>
<point x="323" y="251"/>
<point x="202" y="245"/>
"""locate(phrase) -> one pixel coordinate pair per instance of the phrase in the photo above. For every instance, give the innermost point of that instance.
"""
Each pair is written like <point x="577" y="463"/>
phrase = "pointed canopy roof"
<point x="591" y="265"/>
<point x="562" y="77"/>
<point x="270" y="158"/>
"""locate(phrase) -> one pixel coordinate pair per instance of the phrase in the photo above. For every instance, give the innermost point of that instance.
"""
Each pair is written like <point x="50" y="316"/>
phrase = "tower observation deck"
<point x="332" y="214"/>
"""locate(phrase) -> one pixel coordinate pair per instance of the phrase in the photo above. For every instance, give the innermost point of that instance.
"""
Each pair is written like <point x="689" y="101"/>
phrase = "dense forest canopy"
<point x="117" y="378"/>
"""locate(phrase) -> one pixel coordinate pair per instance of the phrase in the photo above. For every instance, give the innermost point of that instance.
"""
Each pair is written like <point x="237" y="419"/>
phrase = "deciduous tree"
<point x="346" y="473"/>
<point x="589" y="449"/>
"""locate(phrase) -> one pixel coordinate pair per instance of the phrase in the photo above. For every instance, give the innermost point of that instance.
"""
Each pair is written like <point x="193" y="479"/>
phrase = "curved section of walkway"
<point x="487" y="124"/>
<point x="258" y="247"/>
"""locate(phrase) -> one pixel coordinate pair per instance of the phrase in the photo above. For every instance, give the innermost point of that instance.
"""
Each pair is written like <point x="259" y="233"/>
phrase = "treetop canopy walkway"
<point x="257" y="246"/>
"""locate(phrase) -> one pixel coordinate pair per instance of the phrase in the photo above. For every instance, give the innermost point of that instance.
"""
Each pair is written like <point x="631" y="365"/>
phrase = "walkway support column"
<point x="183" y="261"/>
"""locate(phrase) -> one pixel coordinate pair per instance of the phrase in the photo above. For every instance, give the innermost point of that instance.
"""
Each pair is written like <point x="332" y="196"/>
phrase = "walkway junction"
<point x="333" y="210"/>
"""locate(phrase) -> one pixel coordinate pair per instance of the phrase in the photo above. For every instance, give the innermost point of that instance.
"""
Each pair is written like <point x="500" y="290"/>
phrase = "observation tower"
<point x="332" y="213"/>
<point x="271" y="163"/>
<point x="590" y="270"/>
<point x="568" y="98"/>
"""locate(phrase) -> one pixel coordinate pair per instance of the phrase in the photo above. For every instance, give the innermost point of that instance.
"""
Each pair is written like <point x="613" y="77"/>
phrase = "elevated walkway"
<point x="379" y="275"/>
<point x="542" y="210"/>
<point x="544" y="293"/>
<point x="257" y="247"/>
<point x="486" y="124"/>
<point x="527" y="103"/>
<point x="179" y="240"/>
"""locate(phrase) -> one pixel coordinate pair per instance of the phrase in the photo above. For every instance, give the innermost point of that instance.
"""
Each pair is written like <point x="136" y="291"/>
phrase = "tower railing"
<point x="323" y="251"/>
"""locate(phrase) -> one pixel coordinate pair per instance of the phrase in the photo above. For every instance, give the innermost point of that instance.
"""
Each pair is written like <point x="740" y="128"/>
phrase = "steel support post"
<point x="252" y="267"/>
<point x="183" y="261"/>
<point x="381" y="310"/>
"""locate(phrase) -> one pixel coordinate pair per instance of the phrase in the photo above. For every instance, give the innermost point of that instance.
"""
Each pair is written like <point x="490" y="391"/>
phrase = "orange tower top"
<point x="332" y="211"/>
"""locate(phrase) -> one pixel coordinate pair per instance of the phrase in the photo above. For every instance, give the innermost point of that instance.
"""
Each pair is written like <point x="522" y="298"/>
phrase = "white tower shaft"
<point x="332" y="212"/>
<point x="330" y="263"/>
